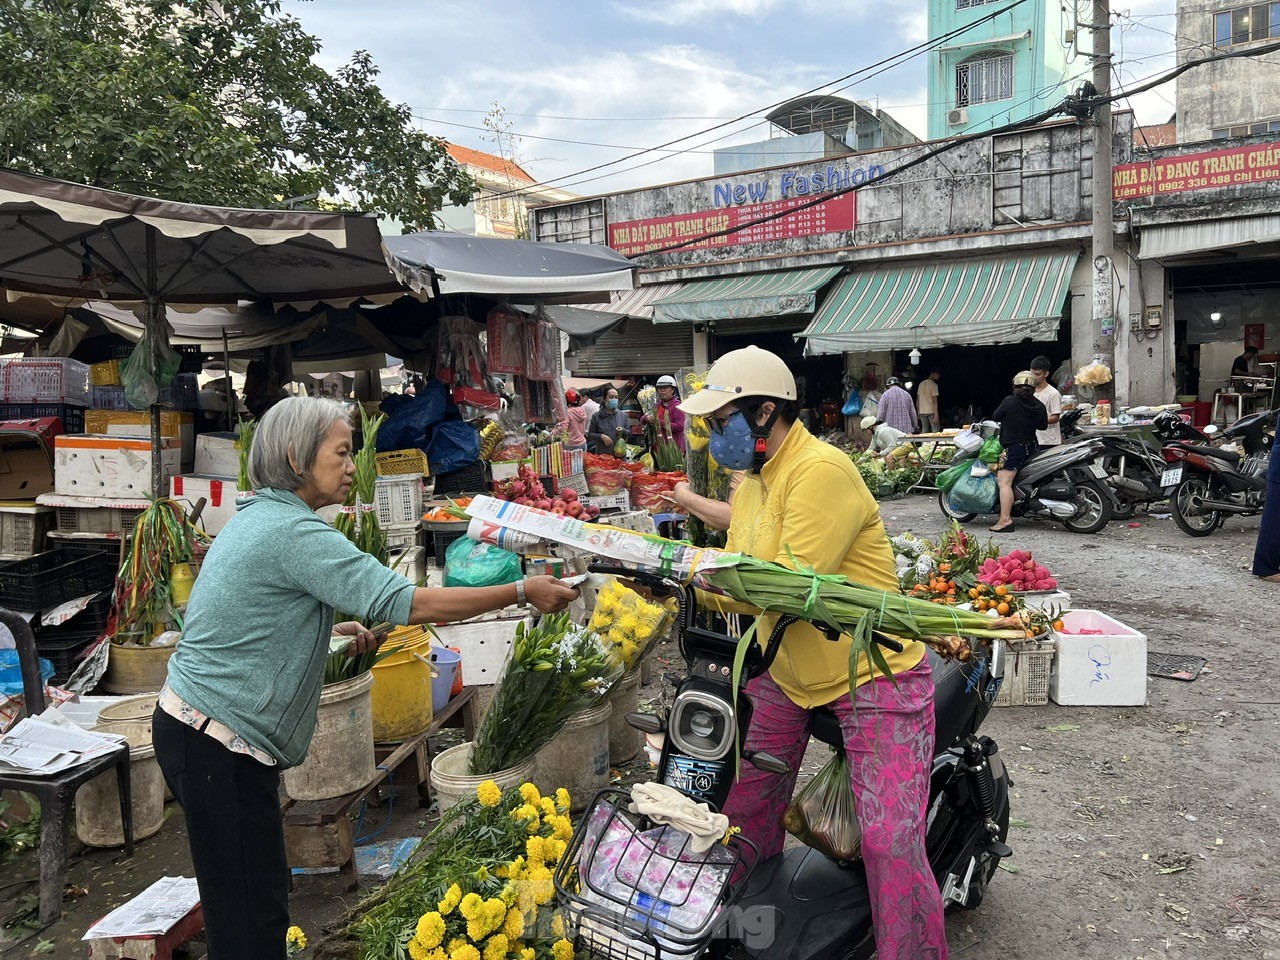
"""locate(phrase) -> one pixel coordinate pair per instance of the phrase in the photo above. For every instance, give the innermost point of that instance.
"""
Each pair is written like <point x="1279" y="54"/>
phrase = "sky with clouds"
<point x="589" y="82"/>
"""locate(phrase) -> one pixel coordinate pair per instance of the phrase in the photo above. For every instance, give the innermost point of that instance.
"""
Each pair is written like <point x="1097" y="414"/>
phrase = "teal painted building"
<point x="1008" y="68"/>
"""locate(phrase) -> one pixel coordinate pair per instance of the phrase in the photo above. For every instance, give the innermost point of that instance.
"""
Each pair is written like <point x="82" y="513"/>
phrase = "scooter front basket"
<point x="634" y="889"/>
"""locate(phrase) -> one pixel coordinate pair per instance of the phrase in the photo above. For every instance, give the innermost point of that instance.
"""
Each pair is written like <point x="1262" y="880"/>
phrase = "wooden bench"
<point x="318" y="833"/>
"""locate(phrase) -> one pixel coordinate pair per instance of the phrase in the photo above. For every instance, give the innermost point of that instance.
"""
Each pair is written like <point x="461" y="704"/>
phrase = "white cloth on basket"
<point x="669" y="806"/>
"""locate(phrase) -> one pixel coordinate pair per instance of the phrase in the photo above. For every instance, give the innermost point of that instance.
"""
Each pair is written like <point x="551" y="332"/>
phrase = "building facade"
<point x="500" y="207"/>
<point x="1003" y="69"/>
<point x="1231" y="98"/>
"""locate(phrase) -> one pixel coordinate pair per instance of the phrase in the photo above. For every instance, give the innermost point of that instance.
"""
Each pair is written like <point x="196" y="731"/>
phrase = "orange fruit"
<point x="1058" y="625"/>
<point x="1002" y="590"/>
<point x="1002" y="609"/>
<point x="944" y="567"/>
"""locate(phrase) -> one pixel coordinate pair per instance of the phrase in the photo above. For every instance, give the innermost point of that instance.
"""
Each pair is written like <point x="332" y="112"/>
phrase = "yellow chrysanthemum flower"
<point x="628" y="624"/>
<point x="530" y="793"/>
<point x="517" y="868"/>
<point x="294" y="937"/>
<point x="418" y="952"/>
<point x="457" y="943"/>
<point x="562" y="799"/>
<point x="513" y="924"/>
<point x="527" y="811"/>
<point x="557" y="925"/>
<point x="496" y="948"/>
<point x="630" y="653"/>
<point x="526" y="953"/>
<point x="468" y="952"/>
<point x="562" y="950"/>
<point x="489" y="794"/>
<point x="452" y="897"/>
<point x="496" y="908"/>
<point x="533" y="850"/>
<point x="548" y="806"/>
<point x="471" y="905"/>
<point x="562" y="828"/>
<point x="478" y="928"/>
<point x="430" y="929"/>
<point x="544" y="888"/>
<point x="553" y="850"/>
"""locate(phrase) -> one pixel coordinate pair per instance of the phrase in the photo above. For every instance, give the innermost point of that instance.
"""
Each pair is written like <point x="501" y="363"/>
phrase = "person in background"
<point x="670" y="418"/>
<point x="574" y="424"/>
<point x="239" y="704"/>
<point x="590" y="405"/>
<point x="1242" y="366"/>
<point x="1266" y="553"/>
<point x="804" y="504"/>
<point x="607" y="425"/>
<point x="927" y="401"/>
<point x="885" y="440"/>
<point x="896" y="408"/>
<point x="1020" y="415"/>
<point x="1051" y="435"/>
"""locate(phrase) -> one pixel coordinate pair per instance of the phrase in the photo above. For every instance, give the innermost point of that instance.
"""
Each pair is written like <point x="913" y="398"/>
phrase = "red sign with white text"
<point x="1198" y="171"/>
<point x="837" y="215"/>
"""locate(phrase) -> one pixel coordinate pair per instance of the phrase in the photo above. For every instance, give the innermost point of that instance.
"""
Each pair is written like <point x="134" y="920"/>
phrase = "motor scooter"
<point x="1133" y="467"/>
<point x="1206" y="483"/>
<point x="799" y="905"/>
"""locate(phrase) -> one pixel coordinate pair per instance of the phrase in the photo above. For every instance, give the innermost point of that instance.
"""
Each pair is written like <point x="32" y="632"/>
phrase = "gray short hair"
<point x="294" y="425"/>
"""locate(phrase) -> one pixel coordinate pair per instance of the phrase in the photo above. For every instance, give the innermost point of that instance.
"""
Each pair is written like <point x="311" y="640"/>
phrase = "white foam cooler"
<point x="1105" y="669"/>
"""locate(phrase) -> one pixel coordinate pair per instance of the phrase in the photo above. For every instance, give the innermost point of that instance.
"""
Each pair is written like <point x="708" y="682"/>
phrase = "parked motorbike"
<point x="799" y="905"/>
<point x="1133" y="465"/>
<point x="1207" y="483"/>
<point x="1066" y="482"/>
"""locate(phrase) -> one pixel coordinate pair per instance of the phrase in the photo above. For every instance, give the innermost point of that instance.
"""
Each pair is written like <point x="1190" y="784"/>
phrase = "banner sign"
<point x="837" y="215"/>
<point x="1198" y="171"/>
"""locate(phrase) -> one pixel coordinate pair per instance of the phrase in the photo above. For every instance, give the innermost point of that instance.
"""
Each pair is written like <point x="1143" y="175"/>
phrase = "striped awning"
<point x="979" y="300"/>
<point x="777" y="294"/>
<point x="638" y="301"/>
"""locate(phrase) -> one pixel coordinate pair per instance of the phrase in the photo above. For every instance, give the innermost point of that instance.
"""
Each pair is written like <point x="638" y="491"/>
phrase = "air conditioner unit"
<point x="958" y="117"/>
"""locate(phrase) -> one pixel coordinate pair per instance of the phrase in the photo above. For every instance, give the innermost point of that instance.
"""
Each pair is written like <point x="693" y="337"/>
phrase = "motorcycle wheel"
<point x="948" y="512"/>
<point x="1191" y="521"/>
<point x="1125" y="510"/>
<point x="1093" y="508"/>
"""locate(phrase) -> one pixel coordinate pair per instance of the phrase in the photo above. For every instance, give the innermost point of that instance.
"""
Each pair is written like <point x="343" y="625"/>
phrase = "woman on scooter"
<point x="1020" y="415"/>
<point x="803" y="504"/>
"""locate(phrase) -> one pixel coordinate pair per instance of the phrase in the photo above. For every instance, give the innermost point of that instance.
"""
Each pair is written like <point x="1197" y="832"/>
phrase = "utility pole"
<point x="1104" y="319"/>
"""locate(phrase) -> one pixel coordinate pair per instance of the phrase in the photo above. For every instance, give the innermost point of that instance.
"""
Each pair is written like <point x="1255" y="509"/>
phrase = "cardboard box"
<point x="217" y="455"/>
<point x="1107" y="669"/>
<point x="219" y="494"/>
<point x="95" y="465"/>
<point x="137" y="423"/>
<point x="26" y="469"/>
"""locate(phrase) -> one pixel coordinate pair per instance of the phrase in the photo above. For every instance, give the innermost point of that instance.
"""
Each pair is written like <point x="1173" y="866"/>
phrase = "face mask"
<point x="734" y="448"/>
<point x="611" y="404"/>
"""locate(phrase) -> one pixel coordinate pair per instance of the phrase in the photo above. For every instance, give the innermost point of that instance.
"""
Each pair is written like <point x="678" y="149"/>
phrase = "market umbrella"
<point x="67" y="241"/>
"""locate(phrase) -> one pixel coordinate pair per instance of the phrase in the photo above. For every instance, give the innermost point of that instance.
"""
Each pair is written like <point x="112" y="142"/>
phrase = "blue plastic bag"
<point x="454" y="444"/>
<point x="853" y="406"/>
<point x="974" y="494"/>
<point x="11" y="673"/>
<point x="470" y="563"/>
<point x="409" y="422"/>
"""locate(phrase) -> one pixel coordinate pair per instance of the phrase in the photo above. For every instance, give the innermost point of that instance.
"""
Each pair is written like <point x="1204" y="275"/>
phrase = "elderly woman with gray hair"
<point x="240" y="701"/>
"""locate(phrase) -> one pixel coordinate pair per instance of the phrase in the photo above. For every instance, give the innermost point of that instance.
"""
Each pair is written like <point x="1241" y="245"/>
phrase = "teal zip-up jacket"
<point x="261" y="614"/>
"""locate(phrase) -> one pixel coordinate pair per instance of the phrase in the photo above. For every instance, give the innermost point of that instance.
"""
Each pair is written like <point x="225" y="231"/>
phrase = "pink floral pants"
<point x="889" y="740"/>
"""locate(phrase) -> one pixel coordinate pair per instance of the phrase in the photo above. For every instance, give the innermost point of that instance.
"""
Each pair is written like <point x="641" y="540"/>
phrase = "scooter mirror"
<point x="766" y="762"/>
<point x="647" y="722"/>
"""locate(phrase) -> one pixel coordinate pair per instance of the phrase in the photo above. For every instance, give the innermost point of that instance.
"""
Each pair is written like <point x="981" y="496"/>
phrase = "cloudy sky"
<point x="585" y="83"/>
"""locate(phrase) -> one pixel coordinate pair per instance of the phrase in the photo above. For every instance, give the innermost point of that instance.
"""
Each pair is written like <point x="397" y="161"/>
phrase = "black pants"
<point x="232" y="807"/>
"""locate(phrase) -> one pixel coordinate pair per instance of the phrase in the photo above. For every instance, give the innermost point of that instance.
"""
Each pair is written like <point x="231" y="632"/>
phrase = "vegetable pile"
<point x="1017" y="570"/>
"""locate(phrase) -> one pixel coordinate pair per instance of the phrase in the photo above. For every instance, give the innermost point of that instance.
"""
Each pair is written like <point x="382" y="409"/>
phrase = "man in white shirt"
<point x="927" y="401"/>
<point x="1051" y="436"/>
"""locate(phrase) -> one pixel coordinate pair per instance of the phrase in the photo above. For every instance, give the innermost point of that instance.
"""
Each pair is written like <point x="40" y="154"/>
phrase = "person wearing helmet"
<point x="896" y="407"/>
<point x="803" y="504"/>
<point x="669" y="417"/>
<point x="1020" y="415"/>
<point x="574" y="424"/>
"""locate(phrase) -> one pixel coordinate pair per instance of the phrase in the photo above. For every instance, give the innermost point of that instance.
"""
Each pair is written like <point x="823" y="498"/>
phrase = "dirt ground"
<point x="1139" y="832"/>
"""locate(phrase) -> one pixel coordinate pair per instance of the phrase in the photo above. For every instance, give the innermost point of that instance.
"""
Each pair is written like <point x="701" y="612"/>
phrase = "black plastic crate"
<point x="192" y="357"/>
<point x="440" y="540"/>
<point x="53" y="577"/>
<point x="64" y="653"/>
<point x="72" y="417"/>
<point x="469" y="479"/>
<point x="105" y="552"/>
<point x="88" y="623"/>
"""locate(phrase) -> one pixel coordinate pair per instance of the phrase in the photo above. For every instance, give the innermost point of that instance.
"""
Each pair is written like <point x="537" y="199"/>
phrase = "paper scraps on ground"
<point x="152" y="913"/>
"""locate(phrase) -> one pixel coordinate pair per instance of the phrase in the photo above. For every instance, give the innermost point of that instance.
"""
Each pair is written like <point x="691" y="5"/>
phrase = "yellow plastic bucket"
<point x="402" y="686"/>
<point x="181" y="579"/>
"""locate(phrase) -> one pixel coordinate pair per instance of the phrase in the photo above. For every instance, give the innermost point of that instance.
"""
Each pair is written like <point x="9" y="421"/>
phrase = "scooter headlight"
<point x="702" y="726"/>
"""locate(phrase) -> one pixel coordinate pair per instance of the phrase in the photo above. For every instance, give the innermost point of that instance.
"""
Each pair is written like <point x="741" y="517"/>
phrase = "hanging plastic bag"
<point x="141" y="387"/>
<point x="974" y="494"/>
<point x="991" y="450"/>
<point x="979" y="469"/>
<point x="853" y="406"/>
<point x="823" y="815"/>
<point x="470" y="563"/>
<point x="968" y="441"/>
<point x="11" y="673"/>
<point x="947" y="478"/>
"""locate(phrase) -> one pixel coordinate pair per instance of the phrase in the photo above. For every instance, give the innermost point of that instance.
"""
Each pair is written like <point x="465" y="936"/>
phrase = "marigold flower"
<point x="526" y="953"/>
<point x="513" y="924"/>
<point x="295" y="940"/>
<point x="489" y="794"/>
<point x="418" y="952"/>
<point x="544" y="888"/>
<point x="496" y="948"/>
<point x="533" y="849"/>
<point x="527" y="811"/>
<point x="548" y="806"/>
<point x="452" y="897"/>
<point x="562" y="828"/>
<point x="557" y="925"/>
<point x="467" y="952"/>
<point x="562" y="950"/>
<point x="530" y="793"/>
<point x="562" y="800"/>
<point x="471" y="905"/>
<point x="430" y="929"/>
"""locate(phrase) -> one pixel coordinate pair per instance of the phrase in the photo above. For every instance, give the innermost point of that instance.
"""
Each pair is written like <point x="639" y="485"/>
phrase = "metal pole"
<point x="1104" y="320"/>
<point x="152" y="328"/>
<point x="226" y="383"/>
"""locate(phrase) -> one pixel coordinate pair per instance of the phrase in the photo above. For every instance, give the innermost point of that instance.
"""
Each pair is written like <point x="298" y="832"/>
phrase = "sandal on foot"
<point x="1006" y="529"/>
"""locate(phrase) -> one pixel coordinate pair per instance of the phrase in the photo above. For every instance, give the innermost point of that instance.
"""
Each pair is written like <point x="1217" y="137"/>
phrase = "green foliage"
<point x="209" y="103"/>
<point x="19" y="835"/>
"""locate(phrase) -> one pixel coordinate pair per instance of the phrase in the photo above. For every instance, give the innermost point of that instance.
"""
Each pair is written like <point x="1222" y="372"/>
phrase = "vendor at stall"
<point x="670" y="419"/>
<point x="608" y="425"/>
<point x="574" y="424"/>
<point x="240" y="701"/>
<point x="886" y="441"/>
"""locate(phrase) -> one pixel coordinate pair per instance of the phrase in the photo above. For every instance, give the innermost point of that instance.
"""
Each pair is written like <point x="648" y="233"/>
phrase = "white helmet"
<point x="666" y="380"/>
<point x="749" y="372"/>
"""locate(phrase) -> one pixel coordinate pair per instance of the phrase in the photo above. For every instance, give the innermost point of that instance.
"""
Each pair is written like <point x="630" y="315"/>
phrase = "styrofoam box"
<point x="485" y="646"/>
<point x="216" y="455"/>
<point x="219" y="494"/>
<point x="93" y="465"/>
<point x="1047" y="600"/>
<point x="1107" y="669"/>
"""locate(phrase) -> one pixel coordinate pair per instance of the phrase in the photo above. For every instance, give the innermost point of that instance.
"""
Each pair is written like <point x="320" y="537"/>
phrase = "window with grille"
<point x="984" y="79"/>
<point x="1247" y="129"/>
<point x="1260" y="21"/>
<point x="966" y="4"/>
<point x="571" y="223"/>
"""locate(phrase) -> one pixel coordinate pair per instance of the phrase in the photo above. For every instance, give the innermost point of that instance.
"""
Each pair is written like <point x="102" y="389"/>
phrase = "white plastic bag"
<point x="967" y="441"/>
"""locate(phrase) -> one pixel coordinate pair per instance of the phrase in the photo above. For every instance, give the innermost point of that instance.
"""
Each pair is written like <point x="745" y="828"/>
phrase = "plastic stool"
<point x="1223" y="401"/>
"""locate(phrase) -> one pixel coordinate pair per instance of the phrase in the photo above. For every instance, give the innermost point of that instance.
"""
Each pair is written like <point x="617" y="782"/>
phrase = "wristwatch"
<point x="521" y="600"/>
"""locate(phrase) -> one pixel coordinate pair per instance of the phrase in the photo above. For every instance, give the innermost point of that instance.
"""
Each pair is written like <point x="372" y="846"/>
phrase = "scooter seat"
<point x="1218" y="452"/>
<point x="825" y="726"/>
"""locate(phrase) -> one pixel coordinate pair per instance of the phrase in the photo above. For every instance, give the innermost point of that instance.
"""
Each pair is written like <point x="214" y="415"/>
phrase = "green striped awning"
<point x="777" y="294"/>
<point x="978" y="300"/>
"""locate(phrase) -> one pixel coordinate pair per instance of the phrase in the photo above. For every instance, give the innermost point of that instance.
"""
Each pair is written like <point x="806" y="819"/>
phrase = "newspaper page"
<point x="151" y="913"/>
<point x="39" y="748"/>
